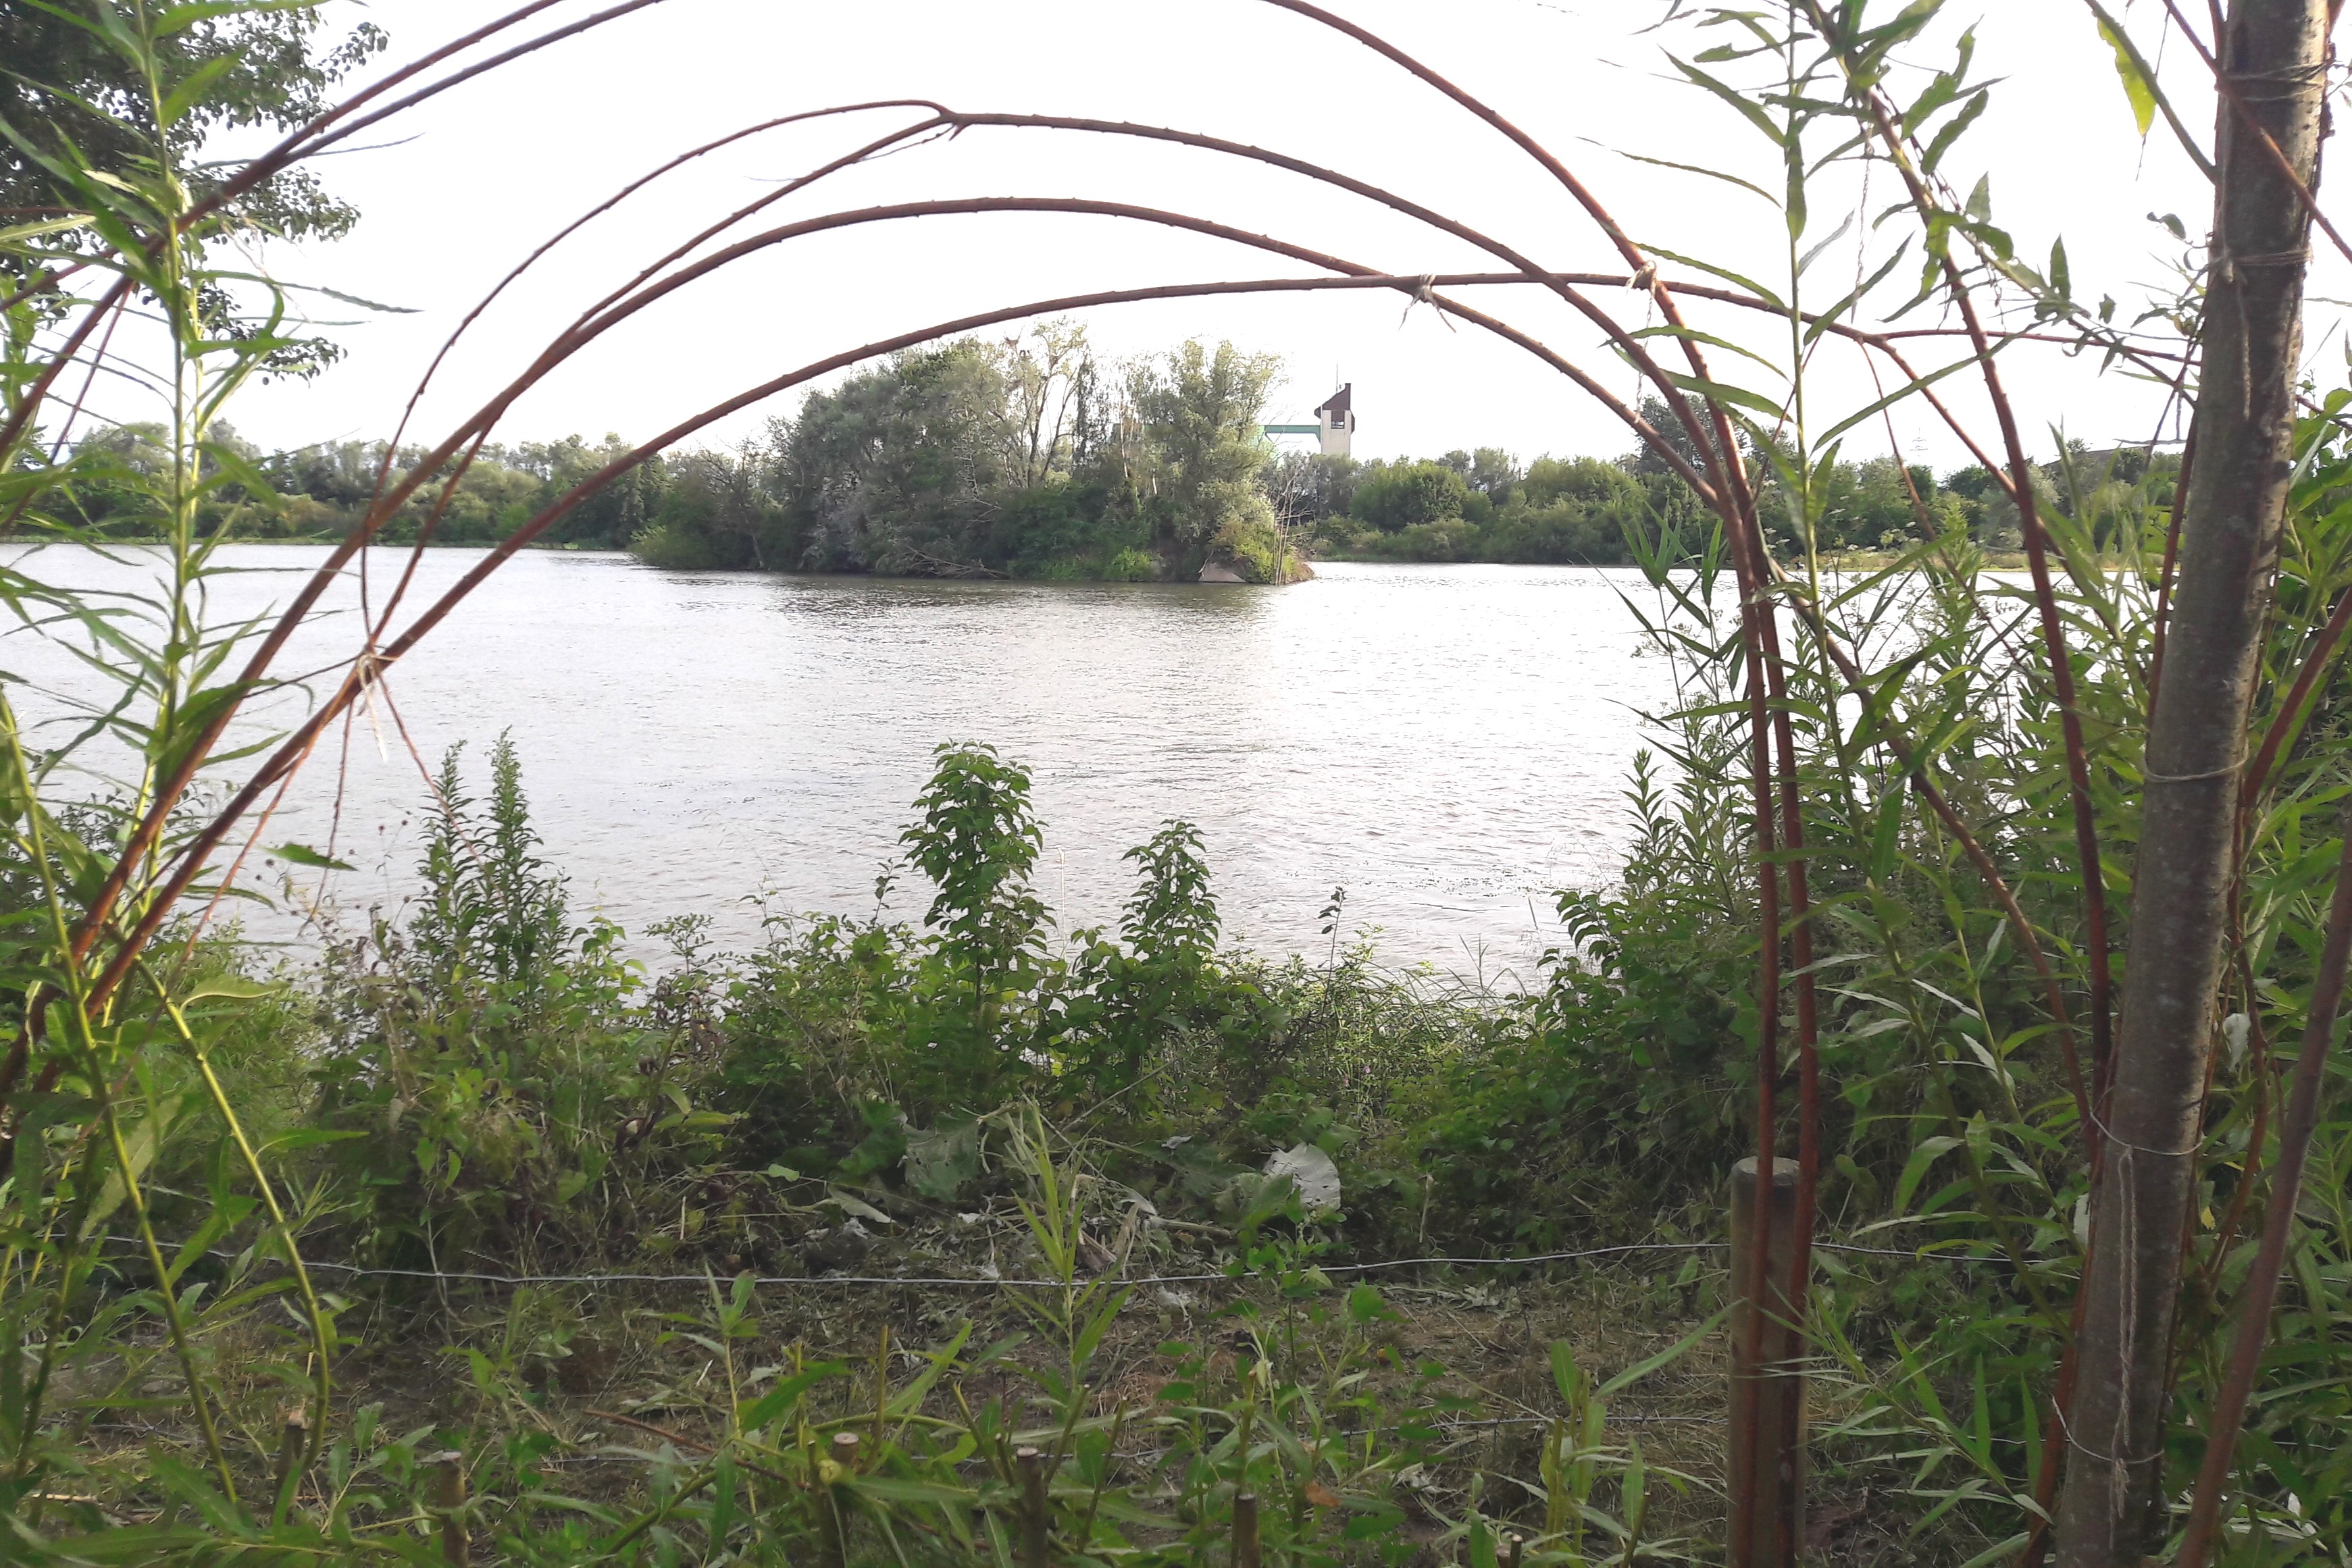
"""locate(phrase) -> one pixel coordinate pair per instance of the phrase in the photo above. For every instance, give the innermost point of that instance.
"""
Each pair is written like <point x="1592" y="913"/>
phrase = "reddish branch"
<point x="2300" y="1116"/>
<point x="2054" y="635"/>
<point x="2289" y="717"/>
<point x="1723" y="484"/>
<point x="188" y="862"/>
<point x="571" y="342"/>
<point x="305" y="142"/>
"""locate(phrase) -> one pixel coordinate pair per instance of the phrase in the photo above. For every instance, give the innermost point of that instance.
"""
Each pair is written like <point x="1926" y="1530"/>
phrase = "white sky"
<point x="496" y="166"/>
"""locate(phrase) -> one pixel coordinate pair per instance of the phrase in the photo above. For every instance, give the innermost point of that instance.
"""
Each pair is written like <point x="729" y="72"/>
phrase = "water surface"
<point x="1448" y="743"/>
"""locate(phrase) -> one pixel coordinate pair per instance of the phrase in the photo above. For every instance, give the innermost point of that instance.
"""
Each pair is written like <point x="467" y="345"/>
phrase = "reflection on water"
<point x="1449" y="743"/>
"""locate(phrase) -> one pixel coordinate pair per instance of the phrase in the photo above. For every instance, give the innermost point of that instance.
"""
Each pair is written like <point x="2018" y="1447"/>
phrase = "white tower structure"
<point x="1338" y="415"/>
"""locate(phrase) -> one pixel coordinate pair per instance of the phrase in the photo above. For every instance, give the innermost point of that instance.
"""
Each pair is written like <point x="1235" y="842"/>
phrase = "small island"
<point x="1029" y="458"/>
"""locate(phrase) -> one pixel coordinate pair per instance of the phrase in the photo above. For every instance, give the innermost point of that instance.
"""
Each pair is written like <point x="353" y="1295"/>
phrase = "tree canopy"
<point x="69" y="83"/>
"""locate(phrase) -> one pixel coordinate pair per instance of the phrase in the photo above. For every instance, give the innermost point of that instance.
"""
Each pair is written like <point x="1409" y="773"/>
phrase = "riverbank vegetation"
<point x="958" y="1236"/>
<point x="1022" y="458"/>
<point x="1012" y="460"/>
<point x="1009" y="460"/>
<point x="1485" y="506"/>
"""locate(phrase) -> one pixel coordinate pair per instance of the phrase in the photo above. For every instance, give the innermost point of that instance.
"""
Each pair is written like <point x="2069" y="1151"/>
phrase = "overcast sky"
<point x="491" y="169"/>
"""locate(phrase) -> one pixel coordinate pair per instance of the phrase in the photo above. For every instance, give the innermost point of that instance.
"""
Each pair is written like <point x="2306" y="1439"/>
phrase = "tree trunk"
<point x="2113" y="1511"/>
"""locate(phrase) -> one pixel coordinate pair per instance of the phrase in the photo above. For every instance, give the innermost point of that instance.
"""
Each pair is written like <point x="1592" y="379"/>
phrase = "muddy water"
<point x="1448" y="743"/>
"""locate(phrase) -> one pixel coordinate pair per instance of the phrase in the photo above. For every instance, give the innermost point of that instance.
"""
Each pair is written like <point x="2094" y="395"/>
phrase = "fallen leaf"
<point x="1825" y="1523"/>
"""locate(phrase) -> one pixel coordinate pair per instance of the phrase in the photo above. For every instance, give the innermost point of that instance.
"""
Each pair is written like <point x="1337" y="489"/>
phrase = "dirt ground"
<point x="584" y="1352"/>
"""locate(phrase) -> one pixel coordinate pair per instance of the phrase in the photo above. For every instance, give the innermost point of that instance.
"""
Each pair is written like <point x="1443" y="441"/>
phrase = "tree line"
<point x="1485" y="506"/>
<point x="1029" y="457"/>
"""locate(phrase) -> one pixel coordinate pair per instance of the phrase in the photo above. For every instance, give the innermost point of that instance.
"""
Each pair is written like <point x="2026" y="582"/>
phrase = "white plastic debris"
<point x="1311" y="1169"/>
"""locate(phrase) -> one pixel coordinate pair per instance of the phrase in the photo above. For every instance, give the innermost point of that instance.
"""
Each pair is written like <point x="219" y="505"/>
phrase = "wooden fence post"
<point x="449" y="1498"/>
<point x="1762" y="1464"/>
<point x="293" y="1443"/>
<point x="1034" y="1520"/>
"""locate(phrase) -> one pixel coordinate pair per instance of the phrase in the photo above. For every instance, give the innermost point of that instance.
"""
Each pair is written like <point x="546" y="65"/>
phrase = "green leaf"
<point x="303" y="854"/>
<point x="1641" y="1369"/>
<point x="180" y="18"/>
<point x="782" y="1396"/>
<point x="46" y="225"/>
<point x="1794" y="210"/>
<point x="2137" y="86"/>
<point x="1565" y="1374"/>
<point x="1753" y="113"/>
<point x="1906" y="390"/>
<point x="1720" y="391"/>
<point x="234" y="986"/>
<point x="1929" y="1152"/>
<point x="2007" y="1548"/>
<point x="1887" y="839"/>
<point x="176" y="102"/>
<point x="941" y="1162"/>
<point x="1633" y="1490"/>
<point x="1749" y="284"/>
<point x="1695" y="169"/>
<point x="1954" y="129"/>
<point x="1693" y="335"/>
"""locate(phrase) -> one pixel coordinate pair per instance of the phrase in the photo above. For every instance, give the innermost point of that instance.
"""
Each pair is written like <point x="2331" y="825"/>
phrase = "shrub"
<point x="675" y="549"/>
<point x="499" y="1080"/>
<point x="1391" y="496"/>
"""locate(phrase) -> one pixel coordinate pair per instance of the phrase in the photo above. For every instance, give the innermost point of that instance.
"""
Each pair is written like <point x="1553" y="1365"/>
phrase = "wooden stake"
<point x="1245" y="1531"/>
<point x="293" y="1442"/>
<point x="449" y="1498"/>
<point x="1034" y="1547"/>
<point x="1765" y="1468"/>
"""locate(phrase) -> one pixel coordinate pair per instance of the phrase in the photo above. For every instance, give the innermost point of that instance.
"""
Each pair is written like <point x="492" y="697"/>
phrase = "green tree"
<point x="73" y="81"/>
<point x="1391" y="496"/>
<point x="897" y="470"/>
<point x="1490" y="472"/>
<point x="977" y="840"/>
<point x="1199" y="412"/>
<point x="1308" y="487"/>
<point x="1661" y="419"/>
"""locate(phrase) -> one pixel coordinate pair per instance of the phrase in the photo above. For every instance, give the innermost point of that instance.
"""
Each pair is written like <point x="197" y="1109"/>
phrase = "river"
<point x="1448" y="743"/>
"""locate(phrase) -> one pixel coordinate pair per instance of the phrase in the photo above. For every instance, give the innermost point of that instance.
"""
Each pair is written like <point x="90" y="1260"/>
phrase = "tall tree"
<point x="2274" y="57"/>
<point x="1048" y="378"/>
<point x="69" y="81"/>
<point x="1200" y="410"/>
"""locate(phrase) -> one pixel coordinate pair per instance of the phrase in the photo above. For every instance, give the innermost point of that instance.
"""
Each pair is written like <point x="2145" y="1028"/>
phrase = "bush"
<point x="1132" y="565"/>
<point x="1250" y="547"/>
<point x="675" y="549"/>
<point x="499" y="1082"/>
<point x="1454" y="539"/>
<point x="1391" y="496"/>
